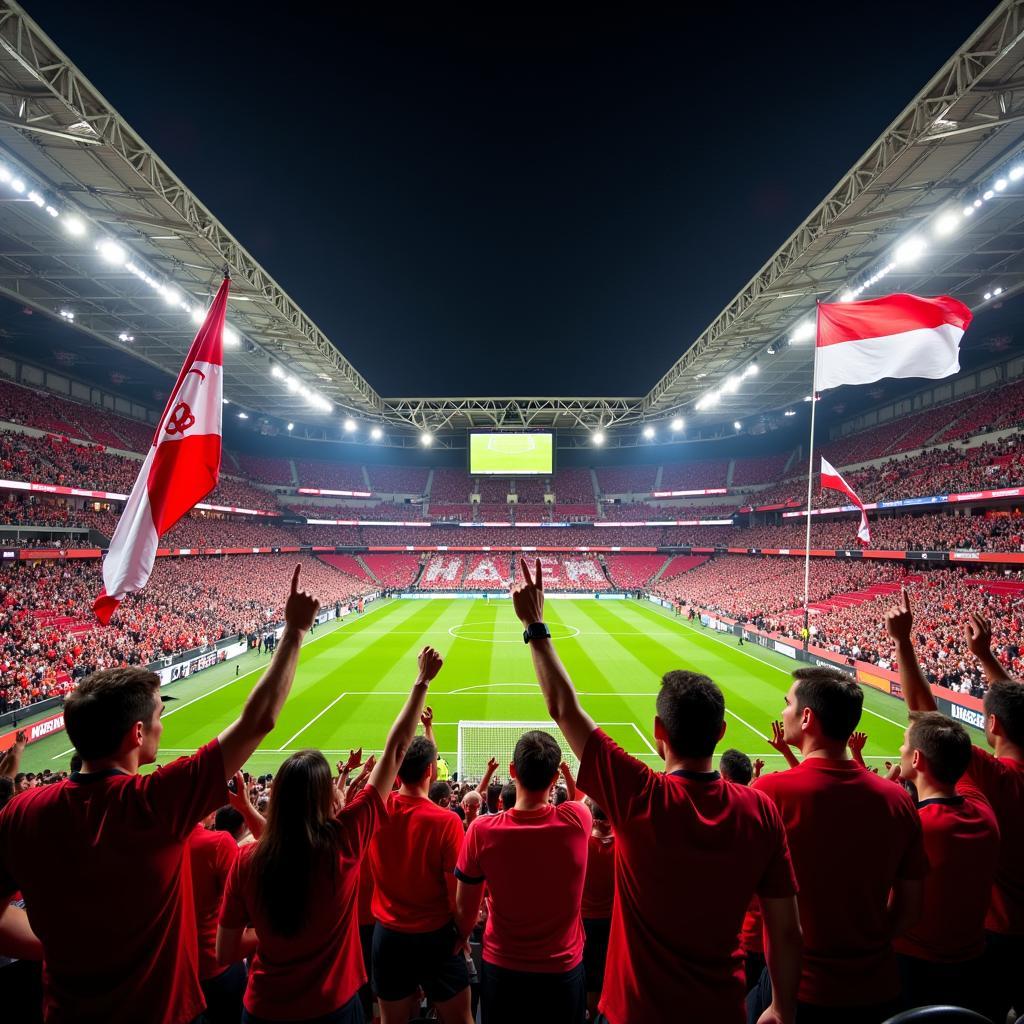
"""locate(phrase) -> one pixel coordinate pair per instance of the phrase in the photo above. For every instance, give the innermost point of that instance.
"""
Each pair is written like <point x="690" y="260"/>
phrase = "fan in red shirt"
<point x="291" y="901"/>
<point x="598" y="900"/>
<point x="533" y="859"/>
<point x="941" y="955"/>
<point x="128" y="951"/>
<point x="1000" y="780"/>
<point x="413" y="859"/>
<point x="867" y="832"/>
<point x="691" y="851"/>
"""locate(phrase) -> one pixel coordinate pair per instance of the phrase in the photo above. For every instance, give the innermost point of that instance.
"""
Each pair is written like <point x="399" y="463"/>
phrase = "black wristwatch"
<point x="536" y="631"/>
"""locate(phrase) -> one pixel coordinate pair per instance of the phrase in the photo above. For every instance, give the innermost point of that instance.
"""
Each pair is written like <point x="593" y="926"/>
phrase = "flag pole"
<point x="810" y="482"/>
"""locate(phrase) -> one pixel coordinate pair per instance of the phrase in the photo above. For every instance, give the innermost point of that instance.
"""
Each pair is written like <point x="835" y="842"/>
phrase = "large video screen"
<point x="508" y="454"/>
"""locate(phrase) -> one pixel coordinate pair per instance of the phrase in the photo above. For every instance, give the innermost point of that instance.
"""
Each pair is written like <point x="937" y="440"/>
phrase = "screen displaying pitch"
<point x="508" y="454"/>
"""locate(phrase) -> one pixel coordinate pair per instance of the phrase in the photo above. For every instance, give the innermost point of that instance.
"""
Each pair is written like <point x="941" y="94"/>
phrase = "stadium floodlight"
<point x="649" y="432"/>
<point x="426" y="439"/>
<point x="847" y="296"/>
<point x="731" y="384"/>
<point x="18" y="185"/>
<point x="988" y="295"/>
<point x="376" y="433"/>
<point x="68" y="314"/>
<point x="35" y="198"/>
<point x="968" y="211"/>
<point x="112" y="252"/>
<point x="197" y="315"/>
<point x="1000" y="185"/>
<point x="751" y="370"/>
<point x="677" y="424"/>
<point x="789" y="412"/>
<point x="171" y="296"/>
<point x="987" y="194"/>
<point x="125" y="336"/>
<point x="598" y="437"/>
<point x="276" y="371"/>
<point x="243" y="416"/>
<point x="997" y="291"/>
<point x="291" y="426"/>
<point x="737" y="425"/>
<point x="52" y="211"/>
<point x="350" y="425"/>
<point x="231" y="338"/>
<point x="946" y="224"/>
<point x="802" y="332"/>
<point x="909" y="251"/>
<point x="1017" y="173"/>
<point x="5" y="174"/>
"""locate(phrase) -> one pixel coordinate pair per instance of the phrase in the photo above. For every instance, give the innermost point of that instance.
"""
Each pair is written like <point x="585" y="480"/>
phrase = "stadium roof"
<point x="149" y="253"/>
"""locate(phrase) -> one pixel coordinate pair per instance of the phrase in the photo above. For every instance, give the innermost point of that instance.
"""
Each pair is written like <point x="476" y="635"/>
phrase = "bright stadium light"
<point x="946" y="224"/>
<point x="197" y="315"/>
<point x="987" y="194"/>
<point x="276" y="371"/>
<point x="18" y="185"/>
<point x="677" y="424"/>
<point x="598" y="437"/>
<point x="243" y="416"/>
<point x="737" y="425"/>
<point x="803" y="331"/>
<point x="350" y="426"/>
<point x="1000" y="185"/>
<point x="230" y="336"/>
<point x="997" y="291"/>
<point x="751" y="370"/>
<point x="1017" y="173"/>
<point x="112" y="252"/>
<point x="649" y="432"/>
<point x="731" y="385"/>
<point x="171" y="296"/>
<point x="376" y="433"/>
<point x="988" y="295"/>
<point x="789" y="412"/>
<point x="291" y="426"/>
<point x="426" y="439"/>
<point x="912" y="249"/>
<point x="847" y="296"/>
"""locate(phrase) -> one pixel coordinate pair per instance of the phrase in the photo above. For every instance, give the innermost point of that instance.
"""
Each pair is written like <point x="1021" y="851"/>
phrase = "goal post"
<point x="480" y="741"/>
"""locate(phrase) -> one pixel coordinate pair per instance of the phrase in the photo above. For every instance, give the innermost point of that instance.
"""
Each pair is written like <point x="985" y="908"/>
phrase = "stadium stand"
<point x="398" y="480"/>
<point x="340" y="476"/>
<point x="488" y="572"/>
<point x="631" y="572"/>
<point x="626" y="479"/>
<point x="531" y="490"/>
<point x="450" y="487"/>
<point x="696" y="475"/>
<point x="681" y="563"/>
<point x="349" y="565"/>
<point x="442" y="572"/>
<point x="492" y="513"/>
<point x="493" y="490"/>
<point x="263" y="469"/>
<point x="393" y="571"/>
<point x="574" y="487"/>
<point x="760" y="470"/>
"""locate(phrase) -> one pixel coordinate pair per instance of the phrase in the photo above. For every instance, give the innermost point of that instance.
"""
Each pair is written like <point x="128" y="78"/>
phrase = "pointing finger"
<point x="295" y="578"/>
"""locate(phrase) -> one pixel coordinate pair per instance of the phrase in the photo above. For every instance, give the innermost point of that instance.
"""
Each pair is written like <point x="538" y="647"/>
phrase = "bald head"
<point x="471" y="804"/>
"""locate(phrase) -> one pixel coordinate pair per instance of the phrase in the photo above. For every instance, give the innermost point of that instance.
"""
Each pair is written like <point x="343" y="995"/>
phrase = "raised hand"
<point x="301" y="608"/>
<point x="899" y="620"/>
<point x="430" y="663"/>
<point x="776" y="740"/>
<point x="528" y="596"/>
<point x="239" y="798"/>
<point x="758" y="767"/>
<point x="355" y="759"/>
<point x="856" y="742"/>
<point x="427" y="718"/>
<point x="979" y="635"/>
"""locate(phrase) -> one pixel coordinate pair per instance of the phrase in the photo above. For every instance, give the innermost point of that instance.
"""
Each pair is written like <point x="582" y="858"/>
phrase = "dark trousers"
<point x="223" y="994"/>
<point x="1004" y="973"/>
<point x="512" y="997"/>
<point x="929" y="983"/>
<point x="760" y="997"/>
<point x="350" y="1013"/>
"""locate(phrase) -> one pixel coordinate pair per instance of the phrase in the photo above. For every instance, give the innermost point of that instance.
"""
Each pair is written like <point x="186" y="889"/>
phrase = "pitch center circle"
<point x="487" y="635"/>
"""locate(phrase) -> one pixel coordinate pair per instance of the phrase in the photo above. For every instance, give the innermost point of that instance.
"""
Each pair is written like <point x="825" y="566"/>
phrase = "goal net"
<point x="480" y="741"/>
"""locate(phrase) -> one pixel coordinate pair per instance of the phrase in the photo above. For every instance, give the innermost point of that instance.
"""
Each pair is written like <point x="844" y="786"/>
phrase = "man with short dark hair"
<point x="128" y="951"/>
<point x="1000" y="780"/>
<point x="941" y="955"/>
<point x="691" y="851"/>
<point x="735" y="767"/>
<point x="440" y="793"/>
<point x="412" y="858"/>
<point x="857" y="851"/>
<point x="533" y="859"/>
<point x="508" y="796"/>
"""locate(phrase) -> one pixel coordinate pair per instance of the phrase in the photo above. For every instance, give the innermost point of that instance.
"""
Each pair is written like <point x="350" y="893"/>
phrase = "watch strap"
<point x="536" y="631"/>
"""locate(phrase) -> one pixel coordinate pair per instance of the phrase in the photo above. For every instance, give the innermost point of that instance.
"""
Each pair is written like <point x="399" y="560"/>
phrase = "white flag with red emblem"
<point x="180" y="469"/>
<point x="832" y="480"/>
<point x="895" y="336"/>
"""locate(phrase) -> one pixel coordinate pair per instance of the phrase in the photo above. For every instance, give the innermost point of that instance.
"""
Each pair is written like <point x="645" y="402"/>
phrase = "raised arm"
<point x="241" y="801"/>
<point x="427" y="721"/>
<point x="899" y="621"/>
<point x="262" y="707"/>
<point x="778" y="742"/>
<point x="856" y="744"/>
<point x="492" y="767"/>
<point x="402" y="733"/>
<point x="570" y="782"/>
<point x="10" y="761"/>
<point x="979" y="639"/>
<point x="559" y="695"/>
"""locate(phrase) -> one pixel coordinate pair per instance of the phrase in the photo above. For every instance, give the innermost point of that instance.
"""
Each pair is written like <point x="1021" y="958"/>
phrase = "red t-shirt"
<point x="961" y="839"/>
<point x="690" y="851"/>
<point x="317" y="970"/>
<point x="852" y="836"/>
<point x="119" y="932"/>
<point x="413" y="858"/>
<point x="599" y="884"/>
<point x="211" y="855"/>
<point x="752" y="932"/>
<point x="1001" y="781"/>
<point x="534" y="863"/>
<point x="366" y="886"/>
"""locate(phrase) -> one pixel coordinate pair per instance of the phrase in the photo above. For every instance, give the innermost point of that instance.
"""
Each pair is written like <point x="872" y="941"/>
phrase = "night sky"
<point x="547" y="206"/>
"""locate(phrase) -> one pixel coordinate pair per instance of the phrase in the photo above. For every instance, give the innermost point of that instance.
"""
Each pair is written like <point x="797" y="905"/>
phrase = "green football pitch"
<point x="353" y="677"/>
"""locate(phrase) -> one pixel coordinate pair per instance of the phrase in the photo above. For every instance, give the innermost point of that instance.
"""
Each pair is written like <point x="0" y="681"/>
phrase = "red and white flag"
<point x="832" y="480"/>
<point x="895" y="336"/>
<point x="180" y="469"/>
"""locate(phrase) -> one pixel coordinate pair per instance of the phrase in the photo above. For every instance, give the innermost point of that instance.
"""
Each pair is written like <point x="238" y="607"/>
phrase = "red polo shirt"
<point x="534" y="863"/>
<point x="119" y="934"/>
<point x="852" y="836"/>
<point x="690" y="852"/>
<point x="413" y="858"/>
<point x="1001" y="781"/>
<point x="317" y="970"/>
<point x="961" y="839"/>
<point x="211" y="855"/>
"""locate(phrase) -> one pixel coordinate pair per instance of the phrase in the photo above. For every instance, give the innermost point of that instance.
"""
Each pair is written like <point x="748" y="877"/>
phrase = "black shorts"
<point x="406" y="961"/>
<point x="595" y="950"/>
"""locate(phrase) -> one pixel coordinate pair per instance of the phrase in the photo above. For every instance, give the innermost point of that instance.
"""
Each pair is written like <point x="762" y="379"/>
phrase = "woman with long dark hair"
<point x="290" y="900"/>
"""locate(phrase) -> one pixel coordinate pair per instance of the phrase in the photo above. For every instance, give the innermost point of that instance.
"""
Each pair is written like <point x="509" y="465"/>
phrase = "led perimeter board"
<point x="508" y="454"/>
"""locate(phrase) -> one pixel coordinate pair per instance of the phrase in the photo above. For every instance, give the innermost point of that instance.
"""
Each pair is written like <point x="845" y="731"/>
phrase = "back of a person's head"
<point x="440" y="793"/>
<point x="472" y="799"/>
<point x="835" y="698"/>
<point x="99" y="713"/>
<point x="691" y="709"/>
<point x="76" y="762"/>
<point x="508" y="796"/>
<point x="300" y="837"/>
<point x="227" y="819"/>
<point x="944" y="744"/>
<point x="1005" y="700"/>
<point x="493" y="796"/>
<point x="735" y="766"/>
<point x="6" y="790"/>
<point x="418" y="761"/>
<point x="536" y="759"/>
